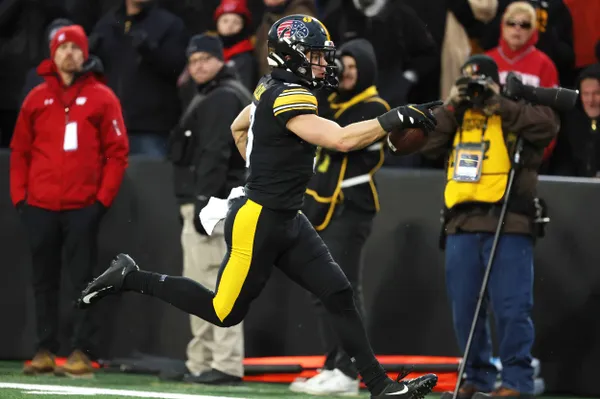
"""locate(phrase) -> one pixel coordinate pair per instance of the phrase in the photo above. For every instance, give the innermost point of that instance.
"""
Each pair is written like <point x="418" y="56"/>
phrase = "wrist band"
<point x="390" y="120"/>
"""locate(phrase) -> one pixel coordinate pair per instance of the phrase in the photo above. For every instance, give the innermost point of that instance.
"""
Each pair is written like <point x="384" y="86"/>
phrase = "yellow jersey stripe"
<point x="238" y="265"/>
<point x="295" y="109"/>
<point x="295" y="99"/>
<point x="297" y="88"/>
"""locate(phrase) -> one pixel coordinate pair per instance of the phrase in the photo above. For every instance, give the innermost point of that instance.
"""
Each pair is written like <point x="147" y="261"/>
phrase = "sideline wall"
<point x="404" y="279"/>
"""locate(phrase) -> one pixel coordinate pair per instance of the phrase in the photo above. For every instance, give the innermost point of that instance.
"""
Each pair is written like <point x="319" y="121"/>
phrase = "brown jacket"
<point x="306" y="7"/>
<point x="537" y="125"/>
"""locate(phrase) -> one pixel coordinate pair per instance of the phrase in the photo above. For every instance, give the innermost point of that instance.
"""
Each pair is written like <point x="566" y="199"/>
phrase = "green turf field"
<point x="14" y="385"/>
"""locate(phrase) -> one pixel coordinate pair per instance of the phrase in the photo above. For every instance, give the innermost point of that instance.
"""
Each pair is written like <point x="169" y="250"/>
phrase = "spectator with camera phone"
<point x="478" y="129"/>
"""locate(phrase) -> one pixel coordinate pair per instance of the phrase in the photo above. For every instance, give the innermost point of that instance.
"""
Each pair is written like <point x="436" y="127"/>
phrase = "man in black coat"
<point x="208" y="164"/>
<point x="142" y="48"/>
<point x="577" y="150"/>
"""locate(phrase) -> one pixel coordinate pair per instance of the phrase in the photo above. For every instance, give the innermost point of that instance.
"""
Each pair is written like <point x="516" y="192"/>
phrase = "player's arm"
<point x="296" y="108"/>
<point x="325" y="133"/>
<point x="239" y="130"/>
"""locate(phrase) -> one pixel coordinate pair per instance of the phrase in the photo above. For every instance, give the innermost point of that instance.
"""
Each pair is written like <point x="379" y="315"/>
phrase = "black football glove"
<point x="409" y="116"/>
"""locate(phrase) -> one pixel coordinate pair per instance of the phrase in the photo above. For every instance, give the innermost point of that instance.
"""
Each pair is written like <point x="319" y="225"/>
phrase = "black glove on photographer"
<point x="198" y="205"/>
<point x="407" y="116"/>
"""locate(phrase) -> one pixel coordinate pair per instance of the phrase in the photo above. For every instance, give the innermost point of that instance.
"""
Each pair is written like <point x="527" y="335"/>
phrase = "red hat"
<point x="234" y="7"/>
<point x="72" y="33"/>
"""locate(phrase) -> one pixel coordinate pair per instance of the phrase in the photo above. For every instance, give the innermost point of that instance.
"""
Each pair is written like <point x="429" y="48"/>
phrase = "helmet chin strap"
<point x="274" y="60"/>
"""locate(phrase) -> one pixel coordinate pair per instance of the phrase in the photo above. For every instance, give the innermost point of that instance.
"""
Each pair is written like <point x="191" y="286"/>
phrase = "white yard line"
<point x="68" y="390"/>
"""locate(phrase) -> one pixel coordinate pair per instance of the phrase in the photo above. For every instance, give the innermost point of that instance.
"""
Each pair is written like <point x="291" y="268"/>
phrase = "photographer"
<point x="481" y="128"/>
<point x="341" y="203"/>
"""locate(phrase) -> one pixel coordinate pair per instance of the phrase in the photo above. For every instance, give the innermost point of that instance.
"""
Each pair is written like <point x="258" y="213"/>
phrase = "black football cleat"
<point x="423" y="385"/>
<point x="108" y="283"/>
<point x="416" y="388"/>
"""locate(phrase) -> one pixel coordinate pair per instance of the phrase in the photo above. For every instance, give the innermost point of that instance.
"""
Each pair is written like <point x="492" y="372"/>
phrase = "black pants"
<point x="50" y="232"/>
<point x="8" y="118"/>
<point x="345" y="236"/>
<point x="258" y="238"/>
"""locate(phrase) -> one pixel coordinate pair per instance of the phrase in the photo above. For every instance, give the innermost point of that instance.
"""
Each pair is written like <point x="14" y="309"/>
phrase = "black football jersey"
<point x="280" y="164"/>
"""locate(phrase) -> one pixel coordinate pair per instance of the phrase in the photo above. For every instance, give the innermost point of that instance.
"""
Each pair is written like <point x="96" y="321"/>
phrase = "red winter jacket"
<point x="534" y="67"/>
<point x="70" y="146"/>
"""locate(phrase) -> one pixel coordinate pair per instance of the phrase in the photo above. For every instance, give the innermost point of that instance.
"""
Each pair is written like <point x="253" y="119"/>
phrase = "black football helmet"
<point x="291" y="41"/>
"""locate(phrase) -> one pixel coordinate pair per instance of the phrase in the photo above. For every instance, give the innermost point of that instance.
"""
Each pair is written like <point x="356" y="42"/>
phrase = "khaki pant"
<point x="212" y="347"/>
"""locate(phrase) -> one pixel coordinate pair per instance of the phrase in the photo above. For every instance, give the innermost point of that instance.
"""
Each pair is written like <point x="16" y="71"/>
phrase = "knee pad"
<point x="231" y="321"/>
<point x="339" y="301"/>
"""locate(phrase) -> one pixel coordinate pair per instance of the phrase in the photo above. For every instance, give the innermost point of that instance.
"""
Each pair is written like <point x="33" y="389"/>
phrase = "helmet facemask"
<point x="298" y="58"/>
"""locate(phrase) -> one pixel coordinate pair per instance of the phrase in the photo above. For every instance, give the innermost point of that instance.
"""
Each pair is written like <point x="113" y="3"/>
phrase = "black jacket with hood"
<point x="402" y="42"/>
<point x="216" y="165"/>
<point x="346" y="179"/>
<point x="577" y="150"/>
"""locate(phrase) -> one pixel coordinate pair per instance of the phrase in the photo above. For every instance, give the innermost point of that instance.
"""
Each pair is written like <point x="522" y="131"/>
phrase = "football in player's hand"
<point x="406" y="141"/>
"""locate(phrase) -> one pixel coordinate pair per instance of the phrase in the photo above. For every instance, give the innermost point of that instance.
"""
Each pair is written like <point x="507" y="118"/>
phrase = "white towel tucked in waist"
<point x="217" y="208"/>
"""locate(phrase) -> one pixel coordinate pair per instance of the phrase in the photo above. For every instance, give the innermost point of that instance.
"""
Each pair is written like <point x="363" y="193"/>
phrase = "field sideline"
<point x="14" y="385"/>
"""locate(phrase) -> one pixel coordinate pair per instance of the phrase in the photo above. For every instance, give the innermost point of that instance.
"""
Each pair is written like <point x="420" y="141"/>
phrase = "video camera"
<point x="560" y="99"/>
<point x="476" y="89"/>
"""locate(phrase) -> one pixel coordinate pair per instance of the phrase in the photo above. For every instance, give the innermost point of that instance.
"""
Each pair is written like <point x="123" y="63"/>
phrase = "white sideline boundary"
<point x="87" y="391"/>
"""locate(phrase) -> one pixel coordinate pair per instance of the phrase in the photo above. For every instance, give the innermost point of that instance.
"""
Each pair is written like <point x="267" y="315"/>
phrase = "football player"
<point x="277" y="135"/>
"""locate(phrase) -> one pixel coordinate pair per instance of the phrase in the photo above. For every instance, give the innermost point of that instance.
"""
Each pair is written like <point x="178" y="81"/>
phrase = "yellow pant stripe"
<point x="237" y="267"/>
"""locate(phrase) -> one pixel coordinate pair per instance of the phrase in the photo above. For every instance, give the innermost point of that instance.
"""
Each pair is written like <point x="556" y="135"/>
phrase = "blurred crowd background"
<point x="419" y="44"/>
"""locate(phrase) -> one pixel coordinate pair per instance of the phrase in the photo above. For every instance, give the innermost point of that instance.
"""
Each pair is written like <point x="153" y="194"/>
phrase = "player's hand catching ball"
<point x="409" y="134"/>
<point x="410" y="116"/>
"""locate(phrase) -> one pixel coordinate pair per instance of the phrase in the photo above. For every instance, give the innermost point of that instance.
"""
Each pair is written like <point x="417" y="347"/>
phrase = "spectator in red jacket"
<point x="69" y="154"/>
<point x="517" y="52"/>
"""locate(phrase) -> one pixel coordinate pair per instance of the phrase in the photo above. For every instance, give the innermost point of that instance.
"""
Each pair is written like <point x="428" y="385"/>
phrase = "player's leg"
<point x="309" y="263"/>
<point x="346" y="238"/>
<point x="215" y="354"/>
<point x="249" y="232"/>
